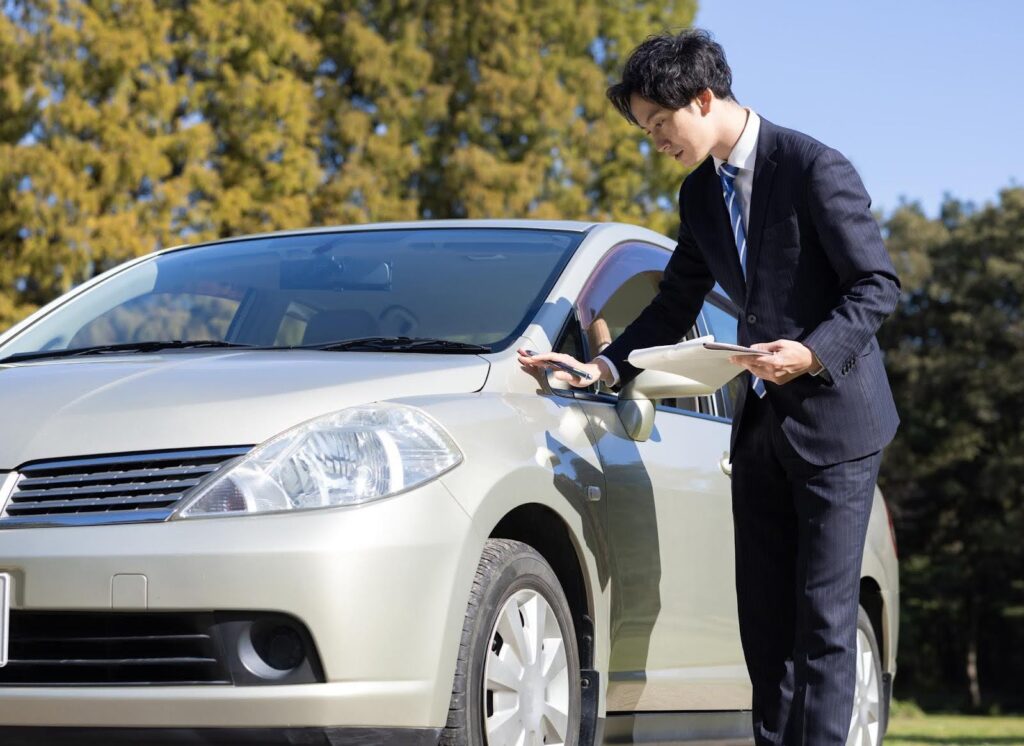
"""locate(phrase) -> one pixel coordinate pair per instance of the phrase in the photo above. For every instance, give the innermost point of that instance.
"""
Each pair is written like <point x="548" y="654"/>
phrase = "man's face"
<point x="686" y="134"/>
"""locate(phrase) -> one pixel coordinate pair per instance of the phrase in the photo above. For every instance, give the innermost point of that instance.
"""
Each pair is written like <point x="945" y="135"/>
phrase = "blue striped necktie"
<point x="728" y="173"/>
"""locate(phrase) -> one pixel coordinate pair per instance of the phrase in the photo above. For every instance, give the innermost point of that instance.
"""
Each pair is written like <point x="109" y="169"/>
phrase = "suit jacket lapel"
<point x="764" y="176"/>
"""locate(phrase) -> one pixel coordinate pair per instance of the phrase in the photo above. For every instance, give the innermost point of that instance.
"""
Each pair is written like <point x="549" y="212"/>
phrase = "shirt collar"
<point x="744" y="152"/>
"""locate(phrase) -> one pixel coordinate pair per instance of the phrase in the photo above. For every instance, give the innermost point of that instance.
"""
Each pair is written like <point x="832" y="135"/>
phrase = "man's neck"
<point x="734" y="121"/>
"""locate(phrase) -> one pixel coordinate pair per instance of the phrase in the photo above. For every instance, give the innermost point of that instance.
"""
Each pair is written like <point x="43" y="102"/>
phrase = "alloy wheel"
<point x="526" y="676"/>
<point x="865" y="724"/>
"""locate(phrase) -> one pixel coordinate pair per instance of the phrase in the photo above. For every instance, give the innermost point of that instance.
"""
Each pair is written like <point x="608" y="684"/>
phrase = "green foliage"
<point x="955" y="474"/>
<point x="955" y="730"/>
<point x="130" y="126"/>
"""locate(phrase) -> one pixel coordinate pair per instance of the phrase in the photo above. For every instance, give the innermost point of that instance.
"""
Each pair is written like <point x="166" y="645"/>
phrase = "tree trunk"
<point x="972" y="653"/>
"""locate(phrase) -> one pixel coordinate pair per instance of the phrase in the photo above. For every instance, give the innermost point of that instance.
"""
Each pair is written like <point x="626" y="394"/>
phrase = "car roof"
<point x="575" y="226"/>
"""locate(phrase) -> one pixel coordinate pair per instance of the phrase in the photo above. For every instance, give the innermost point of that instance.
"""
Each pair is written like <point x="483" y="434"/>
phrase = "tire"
<point x="514" y="584"/>
<point x="866" y="721"/>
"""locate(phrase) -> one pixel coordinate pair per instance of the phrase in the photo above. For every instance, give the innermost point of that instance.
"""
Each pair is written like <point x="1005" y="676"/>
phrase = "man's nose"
<point x="663" y="146"/>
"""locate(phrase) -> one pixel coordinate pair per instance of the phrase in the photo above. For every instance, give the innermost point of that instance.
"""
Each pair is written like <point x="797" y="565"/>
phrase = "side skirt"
<point x="689" y="728"/>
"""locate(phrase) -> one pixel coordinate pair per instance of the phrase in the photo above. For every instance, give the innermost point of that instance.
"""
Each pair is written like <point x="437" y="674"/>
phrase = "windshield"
<point x="474" y="285"/>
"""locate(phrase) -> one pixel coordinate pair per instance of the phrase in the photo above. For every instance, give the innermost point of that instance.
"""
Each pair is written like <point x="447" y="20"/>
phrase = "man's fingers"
<point x="758" y="366"/>
<point x="541" y="357"/>
<point x="536" y="361"/>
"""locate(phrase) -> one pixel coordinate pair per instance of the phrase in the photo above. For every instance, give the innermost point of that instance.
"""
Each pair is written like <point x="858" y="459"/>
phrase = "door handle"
<point x="726" y="465"/>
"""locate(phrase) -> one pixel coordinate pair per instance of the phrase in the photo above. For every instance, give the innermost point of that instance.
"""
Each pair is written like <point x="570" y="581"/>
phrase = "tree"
<point x="955" y="474"/>
<point x="132" y="126"/>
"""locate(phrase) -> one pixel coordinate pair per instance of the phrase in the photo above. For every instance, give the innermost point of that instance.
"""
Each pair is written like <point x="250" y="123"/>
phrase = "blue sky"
<point x="925" y="97"/>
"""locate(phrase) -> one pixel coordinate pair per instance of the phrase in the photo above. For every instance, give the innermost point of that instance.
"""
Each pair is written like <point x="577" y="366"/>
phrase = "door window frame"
<point x="711" y="404"/>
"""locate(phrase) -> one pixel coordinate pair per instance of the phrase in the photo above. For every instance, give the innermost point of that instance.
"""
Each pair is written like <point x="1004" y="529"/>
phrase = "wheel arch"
<point x="544" y="529"/>
<point x="874" y="604"/>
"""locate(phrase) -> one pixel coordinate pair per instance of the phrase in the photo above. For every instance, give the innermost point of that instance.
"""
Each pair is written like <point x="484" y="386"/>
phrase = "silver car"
<point x="296" y="488"/>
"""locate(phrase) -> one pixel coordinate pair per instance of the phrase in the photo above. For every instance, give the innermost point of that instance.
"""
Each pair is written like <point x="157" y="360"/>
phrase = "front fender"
<point x="526" y="448"/>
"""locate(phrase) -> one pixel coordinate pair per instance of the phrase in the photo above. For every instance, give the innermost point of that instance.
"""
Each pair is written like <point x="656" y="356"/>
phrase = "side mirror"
<point x="637" y="417"/>
<point x="635" y="405"/>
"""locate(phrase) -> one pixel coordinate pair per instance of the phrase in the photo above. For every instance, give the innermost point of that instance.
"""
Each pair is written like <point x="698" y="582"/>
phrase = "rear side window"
<point x="722" y="322"/>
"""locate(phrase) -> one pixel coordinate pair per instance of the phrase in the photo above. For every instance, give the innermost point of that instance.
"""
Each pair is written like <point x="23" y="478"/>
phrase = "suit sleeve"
<point x="840" y="211"/>
<point x="673" y="310"/>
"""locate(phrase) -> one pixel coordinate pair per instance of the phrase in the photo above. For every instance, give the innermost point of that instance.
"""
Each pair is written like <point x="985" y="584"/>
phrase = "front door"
<point x="674" y="631"/>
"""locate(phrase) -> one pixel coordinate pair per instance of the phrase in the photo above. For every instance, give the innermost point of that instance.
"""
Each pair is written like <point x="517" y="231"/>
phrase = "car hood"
<point x="113" y="404"/>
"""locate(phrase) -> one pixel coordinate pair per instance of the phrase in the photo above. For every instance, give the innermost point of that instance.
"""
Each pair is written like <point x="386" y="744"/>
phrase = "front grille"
<point x="109" y="489"/>
<point x="128" y="648"/>
<point x="84" y="648"/>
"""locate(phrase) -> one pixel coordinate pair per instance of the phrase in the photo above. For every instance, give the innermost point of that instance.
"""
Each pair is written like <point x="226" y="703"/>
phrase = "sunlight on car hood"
<point x="113" y="404"/>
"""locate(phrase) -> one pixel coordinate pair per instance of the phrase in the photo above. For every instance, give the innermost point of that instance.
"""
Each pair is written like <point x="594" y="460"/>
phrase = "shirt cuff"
<point x="611" y="367"/>
<point x="821" y="366"/>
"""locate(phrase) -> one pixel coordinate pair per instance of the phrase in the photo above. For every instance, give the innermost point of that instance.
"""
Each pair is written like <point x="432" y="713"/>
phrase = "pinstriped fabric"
<point x="820" y="275"/>
<point x="805" y="457"/>
<point x="801" y="528"/>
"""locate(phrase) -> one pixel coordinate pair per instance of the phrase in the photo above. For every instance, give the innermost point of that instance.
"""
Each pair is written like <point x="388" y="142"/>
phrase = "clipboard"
<point x="702" y="360"/>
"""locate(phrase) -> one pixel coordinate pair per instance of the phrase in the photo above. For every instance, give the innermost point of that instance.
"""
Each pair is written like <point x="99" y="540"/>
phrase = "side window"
<point x="623" y="284"/>
<point x="618" y="310"/>
<point x="721" y="321"/>
<point x="700" y="404"/>
<point x="570" y="341"/>
<point x="621" y="287"/>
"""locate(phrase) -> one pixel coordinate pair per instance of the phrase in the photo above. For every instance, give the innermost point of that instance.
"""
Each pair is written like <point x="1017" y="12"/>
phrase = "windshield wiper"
<point x="173" y="344"/>
<point x="398" y="344"/>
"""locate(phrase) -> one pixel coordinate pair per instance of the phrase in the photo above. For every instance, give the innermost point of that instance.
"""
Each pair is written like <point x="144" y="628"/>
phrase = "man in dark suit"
<point x="782" y="223"/>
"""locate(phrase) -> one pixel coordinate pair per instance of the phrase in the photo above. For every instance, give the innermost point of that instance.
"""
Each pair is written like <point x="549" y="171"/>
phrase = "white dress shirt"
<point x="743" y="156"/>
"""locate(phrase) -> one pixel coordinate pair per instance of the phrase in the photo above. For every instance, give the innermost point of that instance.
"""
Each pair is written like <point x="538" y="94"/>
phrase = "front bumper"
<point x="382" y="589"/>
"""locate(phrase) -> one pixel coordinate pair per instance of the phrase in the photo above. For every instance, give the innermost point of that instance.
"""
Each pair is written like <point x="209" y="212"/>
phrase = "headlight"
<point x="345" y="458"/>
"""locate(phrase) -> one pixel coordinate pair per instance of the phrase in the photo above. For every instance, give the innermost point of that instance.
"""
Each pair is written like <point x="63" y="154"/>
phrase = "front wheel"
<point x="866" y="722"/>
<point x="517" y="680"/>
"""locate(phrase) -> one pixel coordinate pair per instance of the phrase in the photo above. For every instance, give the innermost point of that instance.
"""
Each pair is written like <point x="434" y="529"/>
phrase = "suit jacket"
<point x="817" y="272"/>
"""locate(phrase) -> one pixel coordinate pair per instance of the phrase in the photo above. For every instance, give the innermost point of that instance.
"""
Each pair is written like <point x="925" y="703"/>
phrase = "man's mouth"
<point x="678" y="153"/>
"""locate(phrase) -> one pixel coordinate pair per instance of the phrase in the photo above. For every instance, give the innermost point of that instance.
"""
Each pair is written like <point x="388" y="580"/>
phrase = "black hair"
<point x="671" y="69"/>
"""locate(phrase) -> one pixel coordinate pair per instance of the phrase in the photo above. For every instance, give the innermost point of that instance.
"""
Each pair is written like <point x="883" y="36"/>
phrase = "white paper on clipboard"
<point x="703" y="359"/>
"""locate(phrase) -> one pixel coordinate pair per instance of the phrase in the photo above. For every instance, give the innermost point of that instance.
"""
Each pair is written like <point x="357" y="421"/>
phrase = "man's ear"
<point x="703" y="100"/>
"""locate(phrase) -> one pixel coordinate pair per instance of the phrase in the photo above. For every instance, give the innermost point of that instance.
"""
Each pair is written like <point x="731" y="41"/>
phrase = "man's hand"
<point x="788" y="360"/>
<point x="540" y="361"/>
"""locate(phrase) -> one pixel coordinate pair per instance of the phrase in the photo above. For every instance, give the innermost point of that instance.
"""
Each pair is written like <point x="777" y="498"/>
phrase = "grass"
<point x="908" y="726"/>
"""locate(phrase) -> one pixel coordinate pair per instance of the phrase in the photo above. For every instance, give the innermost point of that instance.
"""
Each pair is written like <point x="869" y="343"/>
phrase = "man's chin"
<point x="686" y="159"/>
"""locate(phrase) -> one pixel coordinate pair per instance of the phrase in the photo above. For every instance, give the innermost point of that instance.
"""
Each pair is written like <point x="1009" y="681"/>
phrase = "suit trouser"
<point x="799" y="532"/>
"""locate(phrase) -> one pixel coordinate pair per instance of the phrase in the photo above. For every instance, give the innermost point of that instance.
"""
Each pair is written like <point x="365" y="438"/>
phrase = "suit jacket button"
<point x="751" y="318"/>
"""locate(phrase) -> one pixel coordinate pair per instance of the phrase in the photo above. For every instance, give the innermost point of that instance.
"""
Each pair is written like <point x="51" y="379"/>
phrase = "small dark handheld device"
<point x="563" y="366"/>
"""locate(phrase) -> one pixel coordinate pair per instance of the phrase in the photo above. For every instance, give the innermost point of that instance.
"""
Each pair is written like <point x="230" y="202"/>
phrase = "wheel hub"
<point x="526" y="677"/>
